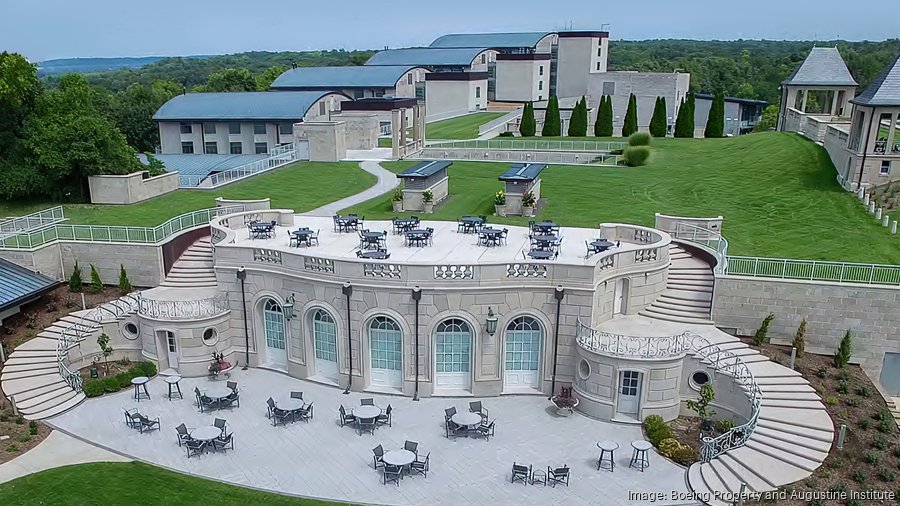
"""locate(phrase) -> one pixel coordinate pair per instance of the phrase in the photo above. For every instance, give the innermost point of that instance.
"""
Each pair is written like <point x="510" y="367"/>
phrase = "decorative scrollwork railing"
<point x="633" y="346"/>
<point x="183" y="309"/>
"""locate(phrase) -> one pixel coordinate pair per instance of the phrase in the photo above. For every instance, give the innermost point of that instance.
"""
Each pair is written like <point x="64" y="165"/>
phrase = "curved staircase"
<point x="32" y="373"/>
<point x="688" y="294"/>
<point x="194" y="268"/>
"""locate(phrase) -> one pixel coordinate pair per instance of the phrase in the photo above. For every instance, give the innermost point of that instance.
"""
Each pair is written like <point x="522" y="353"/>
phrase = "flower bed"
<point x="663" y="439"/>
<point x="115" y="382"/>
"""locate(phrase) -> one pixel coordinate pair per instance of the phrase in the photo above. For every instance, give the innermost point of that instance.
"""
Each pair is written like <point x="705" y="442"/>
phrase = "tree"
<point x="603" y="127"/>
<point x="552" y="125"/>
<point x="799" y="342"/>
<point x="578" y="123"/>
<point x="124" y="283"/>
<point x="527" y="125"/>
<point x="96" y="283"/>
<point x="19" y="91"/>
<point x="844" y="351"/>
<point x="715" y="122"/>
<point x="264" y="80"/>
<point x="768" y="120"/>
<point x="229" y="80"/>
<point x="762" y="333"/>
<point x="133" y="112"/>
<point x="106" y="349"/>
<point x="631" y="125"/>
<point x="75" y="282"/>
<point x="658" y="122"/>
<point x="684" y="122"/>
<point x="701" y="405"/>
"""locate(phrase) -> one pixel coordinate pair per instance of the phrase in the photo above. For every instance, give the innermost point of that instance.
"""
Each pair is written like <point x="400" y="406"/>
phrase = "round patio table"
<point x="540" y="254"/>
<point x="367" y="413"/>
<point x="466" y="419"/>
<point x="493" y="234"/>
<point x="601" y="244"/>
<point x="373" y="235"/>
<point x="140" y="382"/>
<point x="174" y="387"/>
<point x="607" y="447"/>
<point x="290" y="404"/>
<point x="399" y="457"/>
<point x="218" y="392"/>
<point x="377" y="255"/>
<point x="206" y="433"/>
<point x="545" y="237"/>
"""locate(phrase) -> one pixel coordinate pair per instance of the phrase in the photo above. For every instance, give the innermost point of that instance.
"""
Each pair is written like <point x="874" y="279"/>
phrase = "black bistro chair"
<point x="520" y="473"/>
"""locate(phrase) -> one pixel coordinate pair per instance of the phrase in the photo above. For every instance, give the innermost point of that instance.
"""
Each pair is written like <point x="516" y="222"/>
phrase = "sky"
<point x="46" y="29"/>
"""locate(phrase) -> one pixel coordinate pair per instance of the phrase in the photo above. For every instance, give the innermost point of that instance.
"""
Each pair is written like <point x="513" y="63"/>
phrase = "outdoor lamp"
<point x="490" y="323"/>
<point x="288" y="308"/>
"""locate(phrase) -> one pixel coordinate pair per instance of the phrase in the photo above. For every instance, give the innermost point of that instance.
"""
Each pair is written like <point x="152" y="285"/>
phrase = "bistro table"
<point x="260" y="230"/>
<point x="470" y="223"/>
<point x="545" y="226"/>
<point x="607" y="447"/>
<point x="417" y="235"/>
<point x="301" y="235"/>
<point x="405" y="224"/>
<point x="377" y="255"/>
<point x="218" y="393"/>
<point x="345" y="223"/>
<point x="540" y="254"/>
<point x="290" y="404"/>
<point x="140" y="382"/>
<point x="206" y="433"/>
<point x="400" y="458"/>
<point x="601" y="245"/>
<point x="544" y="240"/>
<point x="367" y="412"/>
<point x="468" y="420"/>
<point x="174" y="387"/>
<point x="491" y="236"/>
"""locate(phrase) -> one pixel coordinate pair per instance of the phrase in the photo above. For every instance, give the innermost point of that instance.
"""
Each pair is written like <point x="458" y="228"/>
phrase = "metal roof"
<point x="822" y="67"/>
<point x="204" y="164"/>
<point x="385" y="76"/>
<point x="424" y="56"/>
<point x="738" y="100"/>
<point x="885" y="88"/>
<point x="493" y="40"/>
<point x="523" y="172"/>
<point x="253" y="105"/>
<point x="19" y="285"/>
<point x="425" y="169"/>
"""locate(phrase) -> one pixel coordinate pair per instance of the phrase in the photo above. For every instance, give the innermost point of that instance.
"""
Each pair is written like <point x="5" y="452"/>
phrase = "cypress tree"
<point x="658" y="121"/>
<point x="604" y="125"/>
<point x="527" y="126"/>
<point x="684" y="123"/>
<point x="630" y="125"/>
<point x="715" y="122"/>
<point x="579" y="121"/>
<point x="551" y="126"/>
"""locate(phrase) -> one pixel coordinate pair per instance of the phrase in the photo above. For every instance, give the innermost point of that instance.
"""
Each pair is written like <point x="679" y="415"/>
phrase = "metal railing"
<point x="38" y="219"/>
<point x="112" y="233"/>
<point x="519" y="156"/>
<point x="530" y="145"/>
<point x="278" y="156"/>
<point x="705" y="237"/>
<point x="183" y="309"/>
<point x="814" y="270"/>
<point x="633" y="346"/>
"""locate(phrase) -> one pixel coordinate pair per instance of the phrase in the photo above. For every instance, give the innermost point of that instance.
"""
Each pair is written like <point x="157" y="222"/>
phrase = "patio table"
<point x="491" y="236"/>
<point x="404" y="224"/>
<point x="601" y="245"/>
<point x="174" y="387"/>
<point x="367" y="412"/>
<point x="545" y="226"/>
<point x="206" y="433"/>
<point x="260" y="230"/>
<point x="467" y="420"/>
<point x="140" y="382"/>
<point x="540" y="254"/>
<point x="301" y="235"/>
<point x="470" y="223"/>
<point x="378" y="255"/>
<point x="290" y="404"/>
<point x="345" y="223"/>
<point x="401" y="458"/>
<point x="417" y="235"/>
<point x="217" y="392"/>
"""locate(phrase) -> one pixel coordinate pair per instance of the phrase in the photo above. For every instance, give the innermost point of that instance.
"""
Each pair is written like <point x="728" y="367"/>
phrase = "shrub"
<point x="24" y="438"/>
<point x="4" y="417"/>
<point x="528" y="199"/>
<point x="105" y="348"/>
<point x="668" y="446"/>
<point x="822" y="372"/>
<point x="96" y="283"/>
<point x="799" y="342"/>
<point x="427" y="197"/>
<point x="886" y="423"/>
<point x="897" y="452"/>
<point x="32" y="428"/>
<point x="506" y="134"/>
<point x="656" y="429"/>
<point x="20" y="420"/>
<point x="110" y="385"/>
<point x="859" y="476"/>
<point x="871" y="458"/>
<point x="831" y="400"/>
<point x="880" y="442"/>
<point x="845" y="349"/>
<point x="639" y="139"/>
<point x="762" y="333"/>
<point x="630" y="126"/>
<point x="685" y="455"/>
<point x="635" y="156"/>
<point x="12" y="448"/>
<point x="843" y="387"/>
<point x="578" y="122"/>
<point x="124" y="283"/>
<point x="527" y="125"/>
<point x="852" y="402"/>
<point x="92" y="388"/>
<point x="123" y="380"/>
<point x="30" y="320"/>
<point x="724" y="426"/>
<point x="52" y="307"/>
<point x="552" y="120"/>
<point x="701" y="405"/>
<point x="75" y="282"/>
<point x="885" y="474"/>
<point x="862" y="392"/>
<point x="715" y="122"/>
<point x="843" y="375"/>
<point x="147" y="369"/>
<point x="500" y="198"/>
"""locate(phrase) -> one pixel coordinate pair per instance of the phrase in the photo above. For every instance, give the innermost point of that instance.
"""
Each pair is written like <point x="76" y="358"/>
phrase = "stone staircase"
<point x="194" y="268"/>
<point x="688" y="294"/>
<point x="792" y="438"/>
<point x="31" y="374"/>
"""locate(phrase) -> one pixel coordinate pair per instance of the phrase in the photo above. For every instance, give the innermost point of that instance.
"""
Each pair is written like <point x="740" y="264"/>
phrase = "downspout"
<point x="862" y="166"/>
<point x="347" y="290"/>
<point x="242" y="275"/>
<point x="559" y="293"/>
<point x="417" y="296"/>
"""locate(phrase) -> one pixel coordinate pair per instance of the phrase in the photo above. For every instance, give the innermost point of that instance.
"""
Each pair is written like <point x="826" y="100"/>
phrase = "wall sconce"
<point x="288" y="308"/>
<point x="490" y="323"/>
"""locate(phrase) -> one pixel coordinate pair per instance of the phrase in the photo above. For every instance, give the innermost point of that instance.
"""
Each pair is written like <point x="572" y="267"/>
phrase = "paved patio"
<point x="322" y="459"/>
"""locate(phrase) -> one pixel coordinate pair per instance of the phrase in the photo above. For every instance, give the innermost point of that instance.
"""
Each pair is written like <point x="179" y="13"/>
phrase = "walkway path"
<point x="56" y="451"/>
<point x="387" y="181"/>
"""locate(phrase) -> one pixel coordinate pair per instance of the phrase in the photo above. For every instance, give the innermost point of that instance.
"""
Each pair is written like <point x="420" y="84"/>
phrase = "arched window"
<point x="453" y="344"/>
<point x="325" y="335"/>
<point x="386" y="344"/>
<point x="274" y="324"/>
<point x="523" y="344"/>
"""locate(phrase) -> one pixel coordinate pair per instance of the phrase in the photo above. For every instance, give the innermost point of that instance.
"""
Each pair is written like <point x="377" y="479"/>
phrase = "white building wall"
<point x="445" y="98"/>
<point x="646" y="86"/>
<point x="522" y="80"/>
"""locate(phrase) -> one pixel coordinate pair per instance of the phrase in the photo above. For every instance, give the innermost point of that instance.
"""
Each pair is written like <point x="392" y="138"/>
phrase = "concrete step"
<point x="742" y="473"/>
<point x="772" y="471"/>
<point x="650" y="313"/>
<point x="192" y="264"/>
<point x="774" y="435"/>
<point x="50" y="387"/>
<point x="699" y="312"/>
<point x="37" y="344"/>
<point x="675" y="275"/>
<point x="698" y="485"/>
<point x="780" y="380"/>
<point x="191" y="273"/>
<point x="789" y="403"/>
<point x="810" y="395"/>
<point x="69" y="318"/>
<point x="42" y="412"/>
<point x="770" y="369"/>
<point x="28" y="373"/>
<point x="60" y="327"/>
<point x="806" y="418"/>
<point x="690" y="287"/>
<point x="36" y="368"/>
<point x="63" y="392"/>
<point x="700" y="304"/>
<point x="681" y="269"/>
<point x="79" y="317"/>
<point x="20" y="359"/>
<point x="688" y="295"/>
<point x="805" y="458"/>
<point x="21" y="385"/>
<point x="712" y="479"/>
<point x="786" y="389"/>
<point x="175" y="283"/>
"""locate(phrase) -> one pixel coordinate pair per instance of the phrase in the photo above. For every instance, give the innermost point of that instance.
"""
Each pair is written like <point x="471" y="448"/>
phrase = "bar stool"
<point x="639" y="457"/>
<point x="139" y="382"/>
<point x="607" y="447"/>
<point x="172" y="381"/>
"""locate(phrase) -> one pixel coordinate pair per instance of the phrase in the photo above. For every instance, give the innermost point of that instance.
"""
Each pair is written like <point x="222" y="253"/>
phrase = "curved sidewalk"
<point x="56" y="451"/>
<point x="387" y="181"/>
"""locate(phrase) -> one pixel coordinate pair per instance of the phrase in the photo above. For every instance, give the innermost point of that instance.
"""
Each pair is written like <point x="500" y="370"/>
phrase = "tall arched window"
<point x="274" y="325"/>
<point x="325" y="336"/>
<point x="453" y="344"/>
<point x="386" y="352"/>
<point x="523" y="353"/>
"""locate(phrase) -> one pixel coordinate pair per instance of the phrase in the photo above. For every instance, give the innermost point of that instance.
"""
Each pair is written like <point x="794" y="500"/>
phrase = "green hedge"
<point x="635" y="156"/>
<point x="639" y="139"/>
<point x="112" y="384"/>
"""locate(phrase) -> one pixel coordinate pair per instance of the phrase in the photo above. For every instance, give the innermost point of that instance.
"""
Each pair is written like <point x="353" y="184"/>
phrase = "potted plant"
<point x="564" y="402"/>
<point x="500" y="203"/>
<point x="397" y="200"/>
<point x="528" y="202"/>
<point x="701" y="407"/>
<point x="428" y="201"/>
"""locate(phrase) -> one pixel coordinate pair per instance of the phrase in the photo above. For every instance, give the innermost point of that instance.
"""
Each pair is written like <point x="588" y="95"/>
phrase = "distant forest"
<point x="743" y="68"/>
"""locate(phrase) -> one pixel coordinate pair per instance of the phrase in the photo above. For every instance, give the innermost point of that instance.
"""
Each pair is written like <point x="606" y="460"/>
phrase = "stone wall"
<point x="412" y="199"/>
<point x="872" y="313"/>
<point x="130" y="188"/>
<point x="327" y="139"/>
<point x="143" y="262"/>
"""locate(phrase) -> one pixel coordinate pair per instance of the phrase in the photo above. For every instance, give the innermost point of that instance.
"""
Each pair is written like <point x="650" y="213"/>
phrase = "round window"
<point x="698" y="379"/>
<point x="130" y="331"/>
<point x="584" y="369"/>
<point x="210" y="336"/>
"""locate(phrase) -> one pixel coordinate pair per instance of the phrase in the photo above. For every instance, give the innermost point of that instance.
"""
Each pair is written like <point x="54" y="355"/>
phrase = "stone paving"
<point x="322" y="459"/>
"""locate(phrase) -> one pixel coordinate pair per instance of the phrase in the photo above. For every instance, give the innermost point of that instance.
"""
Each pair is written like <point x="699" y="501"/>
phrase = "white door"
<point x="386" y="353"/>
<point x="325" y="343"/>
<point x="276" y="349"/>
<point x="172" y="349"/>
<point x="453" y="355"/>
<point x="619" y="297"/>
<point x="629" y="392"/>
<point x="523" y="355"/>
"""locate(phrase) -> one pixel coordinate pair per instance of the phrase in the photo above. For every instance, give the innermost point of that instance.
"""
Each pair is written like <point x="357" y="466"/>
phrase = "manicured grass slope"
<point x="777" y="192"/>
<point x="132" y="483"/>
<point x="461" y="127"/>
<point x="300" y="186"/>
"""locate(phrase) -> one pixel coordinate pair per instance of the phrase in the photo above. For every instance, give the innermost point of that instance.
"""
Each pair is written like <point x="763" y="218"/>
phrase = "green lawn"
<point x="461" y="127"/>
<point x="777" y="192"/>
<point x="301" y="186"/>
<point x="133" y="483"/>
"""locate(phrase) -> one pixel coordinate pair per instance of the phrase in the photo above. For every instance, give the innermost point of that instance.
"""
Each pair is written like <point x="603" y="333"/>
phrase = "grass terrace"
<point x="777" y="192"/>
<point x="460" y="127"/>
<point x="301" y="186"/>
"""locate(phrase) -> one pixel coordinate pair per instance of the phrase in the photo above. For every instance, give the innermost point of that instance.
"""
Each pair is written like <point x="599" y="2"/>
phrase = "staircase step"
<point x="712" y="479"/>
<point x="675" y="315"/>
<point x="679" y="319"/>
<point x="53" y="410"/>
<point x="770" y="369"/>
<point x="37" y="368"/>
<point x="29" y="373"/>
<point x="774" y="436"/>
<point x="700" y="304"/>
<point x="746" y="475"/>
<point x="773" y="471"/>
<point x="61" y="394"/>
<point x="21" y="359"/>
<point x="690" y="287"/>
<point x="50" y="387"/>
<point x="79" y="316"/>
<point x="705" y="278"/>
<point x="788" y="403"/>
<point x="783" y="380"/>
<point x="192" y="264"/>
<point x="810" y="395"/>
<point x="21" y="385"/>
<point x="786" y="389"/>
<point x="698" y="312"/>
<point x="37" y="344"/>
<point x="805" y="459"/>
<point x="806" y="418"/>
<point x="688" y="295"/>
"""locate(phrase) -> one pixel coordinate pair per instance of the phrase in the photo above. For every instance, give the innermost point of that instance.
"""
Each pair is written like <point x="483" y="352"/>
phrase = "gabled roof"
<point x="424" y="56"/>
<point x="493" y="40"/>
<point x="19" y="285"/>
<point x="254" y="105"/>
<point x="885" y="88"/>
<point x="822" y="67"/>
<point x="385" y="76"/>
<point x="425" y="169"/>
<point x="523" y="172"/>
